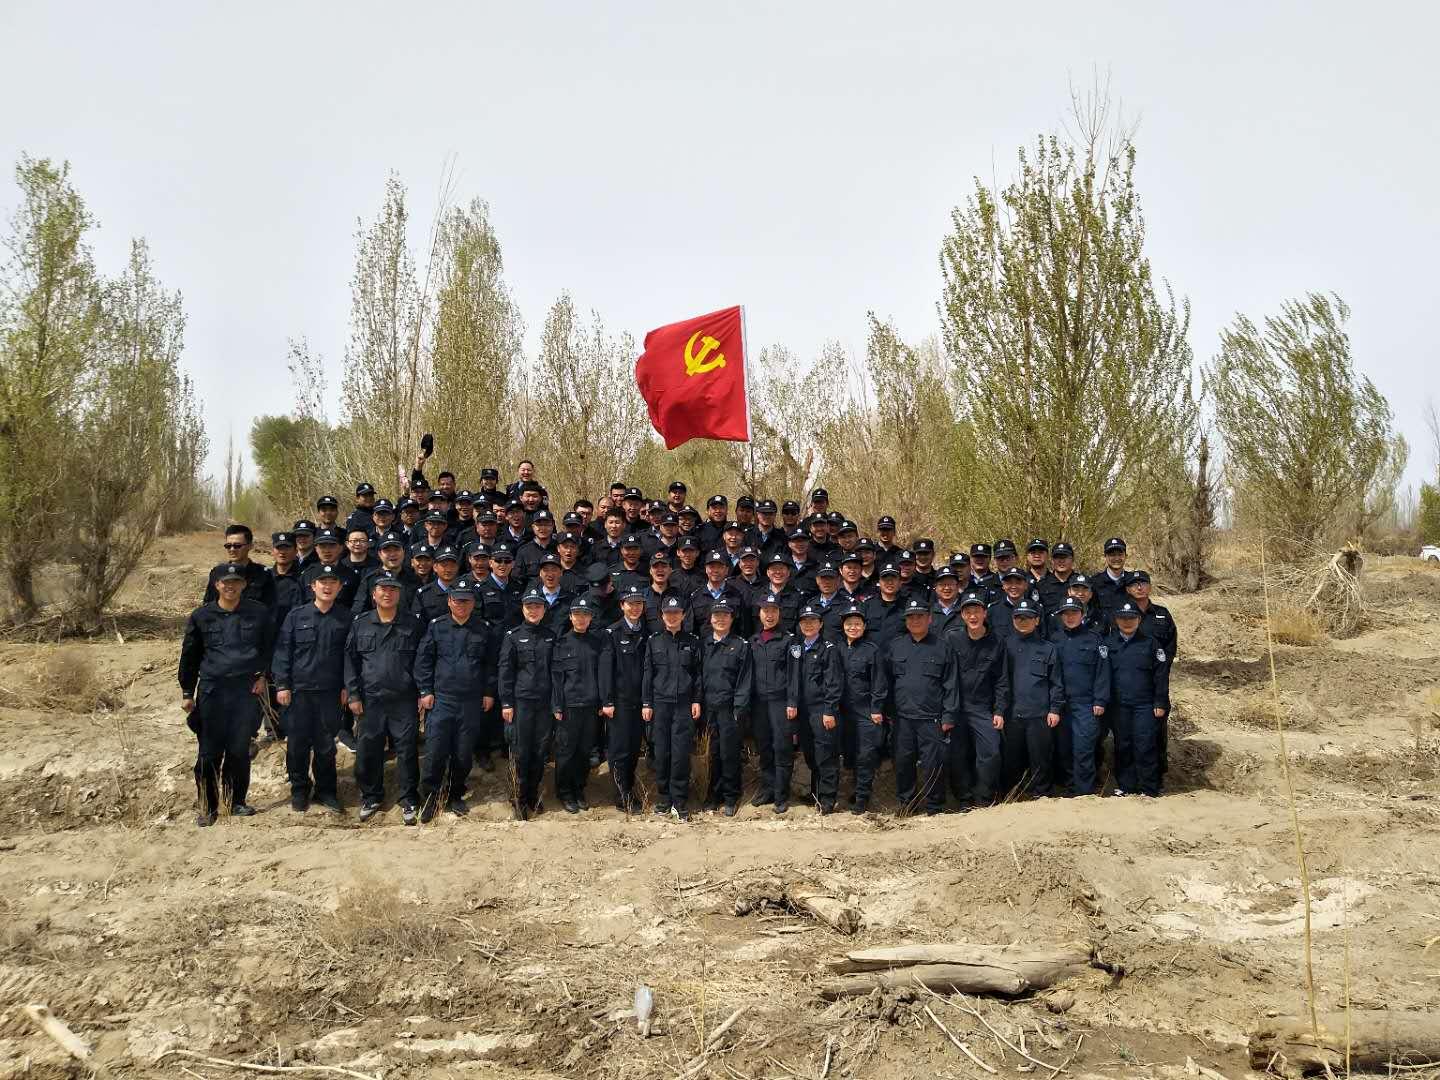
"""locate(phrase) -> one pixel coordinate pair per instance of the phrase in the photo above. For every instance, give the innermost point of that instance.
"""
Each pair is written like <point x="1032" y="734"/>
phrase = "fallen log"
<point x="834" y="913"/>
<point x="963" y="968"/>
<point x="1376" y="1038"/>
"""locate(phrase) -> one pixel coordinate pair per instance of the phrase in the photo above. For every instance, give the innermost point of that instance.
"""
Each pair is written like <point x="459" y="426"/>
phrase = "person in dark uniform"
<point x="924" y="573"/>
<point x="304" y="533"/>
<point x="1006" y="556"/>
<point x="829" y="602"/>
<point x="622" y="674"/>
<point x="223" y="659"/>
<point x="717" y="587"/>
<point x="575" y="702"/>
<point x="525" y="699"/>
<point x="285" y="575"/>
<point x="975" y="746"/>
<point x="392" y="565"/>
<point x="1158" y="624"/>
<point x="380" y="682"/>
<point x="1031" y="697"/>
<point x="853" y="590"/>
<point x="557" y="598"/>
<point x="1140" y="699"/>
<point x="1109" y="583"/>
<point x="362" y="517"/>
<point x="1084" y="662"/>
<point x="920" y="673"/>
<point x="817" y="683"/>
<point x="1014" y="588"/>
<point x="330" y="549"/>
<point x="659" y="589"/>
<point x="713" y="528"/>
<point x="770" y="662"/>
<point x="422" y="562"/>
<point x="382" y="519"/>
<point x="433" y="597"/>
<point x="982" y="578"/>
<point x="944" y="602"/>
<point x="259" y="585"/>
<point x="862" y="719"/>
<point x="670" y="697"/>
<point x="309" y="670"/>
<point x="888" y="548"/>
<point x="884" y="611"/>
<point x="1055" y="585"/>
<point x="455" y="672"/>
<point x="327" y="513"/>
<point x="765" y="536"/>
<point x="687" y="573"/>
<point x="777" y="575"/>
<point x="727" y="682"/>
<point x="499" y="594"/>
<point x="802" y="567"/>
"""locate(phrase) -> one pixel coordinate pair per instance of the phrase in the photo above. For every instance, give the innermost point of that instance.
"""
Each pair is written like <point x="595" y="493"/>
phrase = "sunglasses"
<point x="235" y="547"/>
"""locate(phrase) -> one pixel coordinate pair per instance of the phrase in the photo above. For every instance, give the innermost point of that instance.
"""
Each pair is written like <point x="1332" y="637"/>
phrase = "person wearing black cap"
<point x="498" y="595"/>
<point x="557" y="597"/>
<point x="687" y="572"/>
<point x="392" y="562"/>
<point x="657" y="590"/>
<point x="327" y="512"/>
<point x="664" y="535"/>
<point x="330" y="551"/>
<point x="924" y="573"/>
<point x="515" y="531"/>
<point x="1109" y="583"/>
<point x="944" y="602"/>
<point x="285" y="575"/>
<point x="309" y="671"/>
<point x="568" y="546"/>
<point x="1031" y="698"/>
<point x="777" y="576"/>
<point x="575" y="697"/>
<point x="712" y="529"/>
<point x="802" y="567"/>
<point x="974" y="760"/>
<point x="422" y="562"/>
<point x="919" y="673"/>
<point x="455" y="672"/>
<point x="770" y="663"/>
<point x="362" y="517"/>
<point x="789" y="516"/>
<point x="490" y="482"/>
<point x="541" y="543"/>
<point x="765" y="536"/>
<point x="432" y="598"/>
<point x="1037" y="556"/>
<point x="1013" y="589"/>
<point x="717" y="587"/>
<point x="822" y="548"/>
<point x="1140" y="699"/>
<point x="632" y="503"/>
<point x="1055" y="585"/>
<point x="1006" y="556"/>
<point x="884" y="610"/>
<point x="886" y="545"/>
<point x="601" y="590"/>
<point x="304" y="532"/>
<point x="259" y="585"/>
<point x="224" y="655"/>
<point x="982" y="577"/>
<point x="676" y="497"/>
<point x="358" y="558"/>
<point x="632" y="568"/>
<point x="380" y="682"/>
<point x="817" y="683"/>
<point x="622" y="673"/>
<point x="727" y="681"/>
<point x="862" y="720"/>
<point x="853" y="590"/>
<point x="1085" y="666"/>
<point x="435" y="529"/>
<point x="382" y="519"/>
<point x="1158" y="624"/>
<point x="828" y="600"/>
<point x="733" y="539"/>
<point x="523" y="682"/>
<point x="606" y="548"/>
<point x="745" y="512"/>
<point x="749" y="582"/>
<point x="670" y="696"/>
<point x="819" y="501"/>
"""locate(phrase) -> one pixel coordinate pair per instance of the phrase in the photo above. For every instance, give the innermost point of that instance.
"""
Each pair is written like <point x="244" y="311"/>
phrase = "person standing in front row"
<point x="575" y="702"/>
<point x="670" y="698"/>
<point x="622" y="673"/>
<point x="523" y="683"/>
<point x="1030" y="697"/>
<point x="921" y="672"/>
<point x="862" y="719"/>
<point x="727" y="681"/>
<point x="455" y="674"/>
<point x="223" y="659"/>
<point x="770" y="661"/>
<point x="1085" y="664"/>
<point x="1140" y="672"/>
<point x="817" y="683"/>
<point x="309" y="669"/>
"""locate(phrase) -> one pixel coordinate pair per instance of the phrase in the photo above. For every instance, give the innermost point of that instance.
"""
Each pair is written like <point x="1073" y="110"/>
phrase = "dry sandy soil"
<point x="486" y="947"/>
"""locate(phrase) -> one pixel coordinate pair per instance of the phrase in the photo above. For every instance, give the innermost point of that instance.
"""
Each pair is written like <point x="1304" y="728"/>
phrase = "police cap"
<point x="548" y="559"/>
<point x="946" y="573"/>
<point x="447" y="553"/>
<point x="534" y="596"/>
<point x="982" y="550"/>
<point x="326" y="570"/>
<point x="464" y="496"/>
<point x="231" y="572"/>
<point x="630" y="540"/>
<point x="392" y="539"/>
<point x="364" y="489"/>
<point x="385" y="579"/>
<point x="886" y="522"/>
<point x="1025" y="608"/>
<point x="1038" y="544"/>
<point x="282" y="539"/>
<point x="1004" y="547"/>
<point x="765" y="506"/>
<point x="422" y="550"/>
<point x="687" y="543"/>
<point x="1114" y="544"/>
<point x="328" y="535"/>
<point x="1012" y="574"/>
<point x="303" y="527"/>
<point x="974" y="599"/>
<point x="436" y="516"/>
<point x="1127" y="610"/>
<point x="924" y="546"/>
<point x="1062" y="550"/>
<point x="326" y="501"/>
<point x="790" y="506"/>
<point x="672" y="603"/>
<point x="716" y="557"/>
<point x="502" y="553"/>
<point x="1071" y="604"/>
<point x="916" y="606"/>
<point x="1137" y="577"/>
<point x="826" y="569"/>
<point x="383" y="506"/>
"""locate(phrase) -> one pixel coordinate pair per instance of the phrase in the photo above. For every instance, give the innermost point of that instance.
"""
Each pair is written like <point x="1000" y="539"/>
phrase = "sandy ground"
<point x="486" y="947"/>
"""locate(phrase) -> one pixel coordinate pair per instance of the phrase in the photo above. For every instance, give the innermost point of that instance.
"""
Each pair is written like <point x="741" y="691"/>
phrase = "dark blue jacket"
<point x="622" y="670"/>
<point x="770" y="661"/>
<point x="982" y="669"/>
<point x="924" y="677"/>
<point x="672" y="670"/>
<point x="380" y="657"/>
<point x="222" y="644"/>
<point x="310" y="649"/>
<point x="1033" y="683"/>
<point x="817" y="677"/>
<point x="458" y="659"/>
<point x="523" y="670"/>
<point x="1084" y="665"/>
<point x="861" y="663"/>
<point x="727" y="675"/>
<point x="1139" y="670"/>
<point x="575" y="662"/>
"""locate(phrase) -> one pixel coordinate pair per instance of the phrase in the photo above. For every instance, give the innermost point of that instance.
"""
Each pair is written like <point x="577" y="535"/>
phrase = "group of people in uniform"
<point x="626" y="631"/>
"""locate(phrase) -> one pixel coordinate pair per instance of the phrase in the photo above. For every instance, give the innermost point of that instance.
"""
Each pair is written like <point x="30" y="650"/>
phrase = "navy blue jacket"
<point x="770" y="661"/>
<point x="575" y="662"/>
<point x="220" y="644"/>
<point x="523" y="670"/>
<point x="310" y="649"/>
<point x="1033" y="683"/>
<point x="861" y="663"/>
<point x="924" y="677"/>
<point x="458" y="659"/>
<point x="380" y="657"/>
<point x="1085" y="665"/>
<point x="727" y="675"/>
<point x="1140" y="671"/>
<point x="622" y="670"/>
<point x="672" y="670"/>
<point x="982" y="669"/>
<point x="817" y="677"/>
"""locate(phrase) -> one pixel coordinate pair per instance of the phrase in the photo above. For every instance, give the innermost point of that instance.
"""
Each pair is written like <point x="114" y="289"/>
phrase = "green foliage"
<point x="1428" y="524"/>
<point x="1072" y="371"/>
<point x="1311" y="456"/>
<point x="280" y="447"/>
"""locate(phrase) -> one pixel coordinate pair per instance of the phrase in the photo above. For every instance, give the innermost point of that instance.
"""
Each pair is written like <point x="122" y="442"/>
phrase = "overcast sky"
<point x="659" y="162"/>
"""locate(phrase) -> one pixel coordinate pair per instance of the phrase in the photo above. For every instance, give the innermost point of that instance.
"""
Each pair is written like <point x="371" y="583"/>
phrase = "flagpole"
<point x="749" y="427"/>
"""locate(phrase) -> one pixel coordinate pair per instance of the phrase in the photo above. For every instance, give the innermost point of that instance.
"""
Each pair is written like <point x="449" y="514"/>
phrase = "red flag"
<point x="692" y="376"/>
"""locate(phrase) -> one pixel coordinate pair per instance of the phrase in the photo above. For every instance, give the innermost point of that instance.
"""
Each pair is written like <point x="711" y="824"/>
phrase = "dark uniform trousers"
<point x="822" y="753"/>
<point x="724" y="730"/>
<point x="922" y="743"/>
<point x="575" y="733"/>
<point x="1137" y="748"/>
<point x="673" y="732"/>
<point x="396" y="720"/>
<point x="229" y="716"/>
<point x="529" y="734"/>
<point x="774" y="743"/>
<point x="868" y="737"/>
<point x="974" y="757"/>
<point x="1080" y="739"/>
<point x="623" y="745"/>
<point x="1029" y="753"/>
<point x="452" y="731"/>
<point x="312" y="722"/>
<point x="758" y="730"/>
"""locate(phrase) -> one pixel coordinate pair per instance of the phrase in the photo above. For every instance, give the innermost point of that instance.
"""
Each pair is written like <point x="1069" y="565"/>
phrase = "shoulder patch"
<point x="1104" y="651"/>
<point x="1160" y="655"/>
<point x="796" y="650"/>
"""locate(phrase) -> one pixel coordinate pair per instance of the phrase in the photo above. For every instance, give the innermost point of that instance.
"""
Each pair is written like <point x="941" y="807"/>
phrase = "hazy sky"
<point x="660" y="162"/>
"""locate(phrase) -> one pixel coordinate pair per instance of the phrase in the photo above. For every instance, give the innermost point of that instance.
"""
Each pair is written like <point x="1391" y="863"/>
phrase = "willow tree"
<point x="1311" y="454"/>
<point x="1072" y="369"/>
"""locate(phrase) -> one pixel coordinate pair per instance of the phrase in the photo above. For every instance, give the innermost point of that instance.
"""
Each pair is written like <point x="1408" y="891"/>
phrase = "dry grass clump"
<point x="66" y="679"/>
<point x="375" y="921"/>
<point x="1326" y="586"/>
<point x="1291" y="625"/>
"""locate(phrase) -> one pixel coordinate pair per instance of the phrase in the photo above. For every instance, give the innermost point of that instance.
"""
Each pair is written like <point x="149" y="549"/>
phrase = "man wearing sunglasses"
<point x="259" y="585"/>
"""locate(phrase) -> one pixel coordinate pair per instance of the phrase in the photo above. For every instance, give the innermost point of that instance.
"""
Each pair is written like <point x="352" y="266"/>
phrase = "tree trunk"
<point x="1376" y="1038"/>
<point x="971" y="969"/>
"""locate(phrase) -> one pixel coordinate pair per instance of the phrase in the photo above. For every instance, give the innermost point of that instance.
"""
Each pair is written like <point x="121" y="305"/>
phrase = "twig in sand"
<point x="971" y="1010"/>
<point x="697" y="1063"/>
<point x="252" y="1067"/>
<point x="957" y="1043"/>
<point x="829" y="1046"/>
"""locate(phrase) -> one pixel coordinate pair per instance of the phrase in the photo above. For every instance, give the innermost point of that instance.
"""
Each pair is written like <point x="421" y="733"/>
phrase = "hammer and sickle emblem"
<point x="698" y="365"/>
